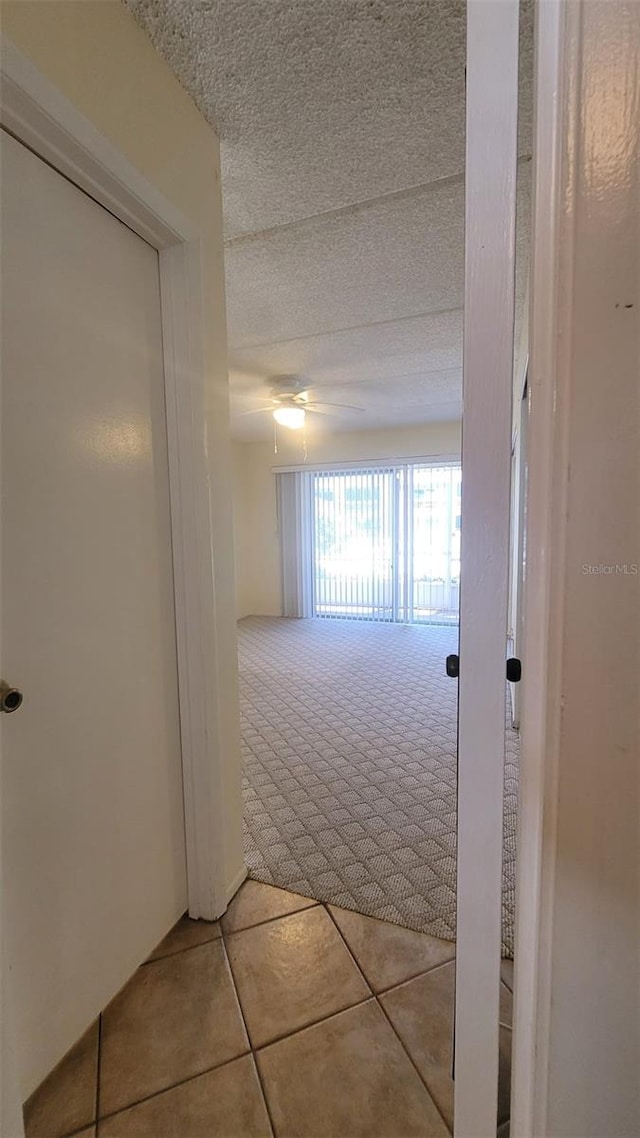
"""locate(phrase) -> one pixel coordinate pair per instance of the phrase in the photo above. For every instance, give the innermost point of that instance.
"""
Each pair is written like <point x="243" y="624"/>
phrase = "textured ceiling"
<point x="342" y="138"/>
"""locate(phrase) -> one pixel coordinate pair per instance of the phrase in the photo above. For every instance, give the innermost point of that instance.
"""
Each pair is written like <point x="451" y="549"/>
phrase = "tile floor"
<point x="287" y="1018"/>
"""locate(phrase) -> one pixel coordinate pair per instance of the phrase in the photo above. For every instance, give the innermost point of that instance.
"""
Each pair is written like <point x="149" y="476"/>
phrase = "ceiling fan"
<point x="290" y="402"/>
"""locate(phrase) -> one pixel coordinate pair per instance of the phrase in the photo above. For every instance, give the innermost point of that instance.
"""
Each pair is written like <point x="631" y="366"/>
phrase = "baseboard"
<point x="237" y="881"/>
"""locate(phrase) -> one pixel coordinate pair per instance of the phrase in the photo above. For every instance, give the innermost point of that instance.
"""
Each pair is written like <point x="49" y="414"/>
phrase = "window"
<point x="386" y="543"/>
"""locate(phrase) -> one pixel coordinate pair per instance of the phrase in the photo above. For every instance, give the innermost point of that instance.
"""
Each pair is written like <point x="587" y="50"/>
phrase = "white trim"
<point x="490" y="197"/>
<point x="194" y="582"/>
<point x="555" y="109"/>
<point x="370" y="464"/>
<point x="45" y="120"/>
<point x="236" y="882"/>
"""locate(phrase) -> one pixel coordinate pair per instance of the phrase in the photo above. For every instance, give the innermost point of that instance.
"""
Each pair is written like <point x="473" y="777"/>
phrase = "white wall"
<point x="581" y="749"/>
<point x="594" y="1063"/>
<point x="254" y="485"/>
<point x="98" y="57"/>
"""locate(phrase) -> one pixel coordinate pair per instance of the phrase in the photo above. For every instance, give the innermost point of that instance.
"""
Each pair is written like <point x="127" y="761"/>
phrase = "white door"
<point x="93" y="833"/>
<point x="490" y="187"/>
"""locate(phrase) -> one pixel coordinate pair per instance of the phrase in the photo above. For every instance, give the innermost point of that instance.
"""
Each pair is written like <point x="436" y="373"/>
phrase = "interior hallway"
<point x="286" y="1018"/>
<point x="349" y="734"/>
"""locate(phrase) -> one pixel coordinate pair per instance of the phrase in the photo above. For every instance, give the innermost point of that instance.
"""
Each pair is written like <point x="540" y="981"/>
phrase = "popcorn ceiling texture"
<point x="374" y="246"/>
<point x="433" y="342"/>
<point x="342" y="139"/>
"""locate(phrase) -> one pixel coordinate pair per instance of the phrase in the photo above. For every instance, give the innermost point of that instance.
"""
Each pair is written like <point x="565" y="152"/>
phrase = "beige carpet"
<point x="349" y="741"/>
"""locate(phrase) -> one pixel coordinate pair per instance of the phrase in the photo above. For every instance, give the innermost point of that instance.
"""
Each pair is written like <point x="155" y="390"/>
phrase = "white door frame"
<point x="490" y="206"/>
<point x="556" y="94"/>
<point x="38" y="115"/>
<point x="556" y="107"/>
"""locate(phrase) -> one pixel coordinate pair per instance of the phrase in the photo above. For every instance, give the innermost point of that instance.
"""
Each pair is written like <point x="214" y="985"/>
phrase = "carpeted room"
<point x="349" y="726"/>
<point x="349" y="736"/>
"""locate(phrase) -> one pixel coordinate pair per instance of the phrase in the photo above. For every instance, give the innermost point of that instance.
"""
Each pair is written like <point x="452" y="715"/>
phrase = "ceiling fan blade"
<point x="326" y="412"/>
<point x="321" y="403"/>
<point x="256" y="411"/>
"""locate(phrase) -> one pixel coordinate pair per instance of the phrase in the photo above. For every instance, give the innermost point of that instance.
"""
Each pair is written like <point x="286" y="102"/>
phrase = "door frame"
<point x="38" y="115"/>
<point x="556" y="108"/>
<point x="489" y="310"/>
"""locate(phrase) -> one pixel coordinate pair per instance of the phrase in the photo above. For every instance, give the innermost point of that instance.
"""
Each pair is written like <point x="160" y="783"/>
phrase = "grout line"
<point x="264" y="1093"/>
<point x="177" y="951"/>
<point x="313" y="1023"/>
<point x="322" y="1019"/>
<point x="246" y="1028"/>
<point x="409" y="979"/>
<point x="237" y="994"/>
<point x="173" y="1086"/>
<point x="345" y="943"/>
<point x="382" y="1009"/>
<point x="392" y="987"/>
<point x="251" y="1049"/>
<point x="87" y="1125"/>
<point x="270" y="920"/>
<point x="412" y="1061"/>
<point x="303" y="1027"/>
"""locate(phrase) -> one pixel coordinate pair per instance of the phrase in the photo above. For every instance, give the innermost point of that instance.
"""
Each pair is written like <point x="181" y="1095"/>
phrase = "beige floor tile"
<point x="506" y="1006"/>
<point x="227" y="1102"/>
<point x="255" y="902"/>
<point x="66" y="1100"/>
<point x="186" y="934"/>
<point x="292" y="972"/>
<point x="175" y="1018"/>
<point x="90" y="1132"/>
<point x="347" y="1077"/>
<point x="389" y="954"/>
<point x="422" y="1012"/>
<point x="506" y="971"/>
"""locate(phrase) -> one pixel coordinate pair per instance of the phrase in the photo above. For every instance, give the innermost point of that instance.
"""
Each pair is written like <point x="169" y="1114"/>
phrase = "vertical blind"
<point x="295" y="514"/>
<point x="381" y="543"/>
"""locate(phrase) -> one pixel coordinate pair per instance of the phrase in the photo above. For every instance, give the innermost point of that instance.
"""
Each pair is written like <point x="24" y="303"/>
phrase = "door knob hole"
<point x="11" y="700"/>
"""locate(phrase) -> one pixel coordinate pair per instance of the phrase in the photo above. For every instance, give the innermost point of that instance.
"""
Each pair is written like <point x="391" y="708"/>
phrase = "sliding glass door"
<point x="354" y="519"/>
<point x="433" y="511"/>
<point x="386" y="543"/>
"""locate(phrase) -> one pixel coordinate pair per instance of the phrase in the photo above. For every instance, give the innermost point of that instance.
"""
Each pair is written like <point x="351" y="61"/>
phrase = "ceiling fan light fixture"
<point x="292" y="417"/>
